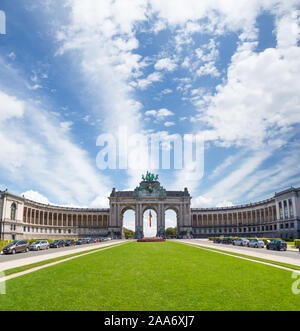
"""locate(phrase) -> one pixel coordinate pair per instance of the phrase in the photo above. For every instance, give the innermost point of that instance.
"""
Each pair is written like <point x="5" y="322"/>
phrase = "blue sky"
<point x="73" y="70"/>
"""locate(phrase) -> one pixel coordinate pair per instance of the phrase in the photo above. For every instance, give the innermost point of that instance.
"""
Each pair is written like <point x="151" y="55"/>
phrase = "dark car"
<point x="16" y="247"/>
<point x="57" y="244"/>
<point x="80" y="242"/>
<point x="227" y="241"/>
<point x="88" y="240"/>
<point x="277" y="245"/>
<point x="218" y="240"/>
<point x="69" y="242"/>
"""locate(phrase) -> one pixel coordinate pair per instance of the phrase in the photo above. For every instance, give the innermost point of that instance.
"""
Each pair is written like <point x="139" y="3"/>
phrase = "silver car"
<point x="39" y="245"/>
<point x="241" y="242"/>
<point x="256" y="243"/>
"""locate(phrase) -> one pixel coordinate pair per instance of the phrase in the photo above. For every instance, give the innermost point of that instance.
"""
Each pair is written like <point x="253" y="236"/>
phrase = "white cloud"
<point x="259" y="102"/>
<point x="12" y="56"/>
<point x="143" y="84"/>
<point x="288" y="30"/>
<point x="34" y="87"/>
<point x="45" y="158"/>
<point x="208" y="69"/>
<point x="35" y="196"/>
<point x="159" y="114"/>
<point x="87" y="118"/>
<point x="165" y="64"/>
<point x="169" y="124"/>
<point x="66" y="126"/>
<point x="10" y="107"/>
<point x="167" y="91"/>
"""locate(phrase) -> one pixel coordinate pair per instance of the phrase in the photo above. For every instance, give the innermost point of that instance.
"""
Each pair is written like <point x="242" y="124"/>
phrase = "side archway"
<point x="128" y="222"/>
<point x="171" y="222"/>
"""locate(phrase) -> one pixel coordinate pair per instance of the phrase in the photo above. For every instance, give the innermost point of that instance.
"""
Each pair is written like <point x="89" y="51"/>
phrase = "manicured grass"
<point x="45" y="262"/>
<point x="281" y="264"/>
<point x="150" y="277"/>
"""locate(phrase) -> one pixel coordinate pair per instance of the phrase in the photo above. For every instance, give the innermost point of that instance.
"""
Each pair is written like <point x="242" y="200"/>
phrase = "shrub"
<point x="4" y="243"/>
<point x="297" y="243"/>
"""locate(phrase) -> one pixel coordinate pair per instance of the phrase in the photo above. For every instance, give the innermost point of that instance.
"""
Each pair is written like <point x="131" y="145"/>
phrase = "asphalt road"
<point x="30" y="254"/>
<point x="245" y="250"/>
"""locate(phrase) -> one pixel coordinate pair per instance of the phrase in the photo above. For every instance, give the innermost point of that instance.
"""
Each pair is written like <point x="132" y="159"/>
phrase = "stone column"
<point x="138" y="222"/>
<point x="161" y="221"/>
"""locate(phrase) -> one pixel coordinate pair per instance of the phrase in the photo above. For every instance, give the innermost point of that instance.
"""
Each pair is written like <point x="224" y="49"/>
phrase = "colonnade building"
<point x="277" y="217"/>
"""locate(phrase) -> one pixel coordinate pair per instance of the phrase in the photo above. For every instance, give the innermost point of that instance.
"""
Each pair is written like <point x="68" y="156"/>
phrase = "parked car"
<point x="39" y="245"/>
<point x="218" y="240"/>
<point x="256" y="243"/>
<point x="88" y="240"/>
<point x="227" y="241"/>
<point x="80" y="242"/>
<point x="277" y="245"/>
<point x="16" y="247"/>
<point x="57" y="244"/>
<point x="241" y="242"/>
<point x="70" y="242"/>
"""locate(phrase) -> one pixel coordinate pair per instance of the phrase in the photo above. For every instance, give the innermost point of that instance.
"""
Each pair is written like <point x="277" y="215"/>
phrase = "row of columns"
<point x="261" y="216"/>
<point x="51" y="218"/>
<point x="287" y="209"/>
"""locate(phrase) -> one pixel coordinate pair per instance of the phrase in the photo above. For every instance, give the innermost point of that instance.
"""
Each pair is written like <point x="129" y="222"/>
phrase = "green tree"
<point x="171" y="232"/>
<point x="128" y="233"/>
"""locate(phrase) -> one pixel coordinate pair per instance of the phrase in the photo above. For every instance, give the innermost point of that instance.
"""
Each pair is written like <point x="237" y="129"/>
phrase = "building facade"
<point x="277" y="217"/>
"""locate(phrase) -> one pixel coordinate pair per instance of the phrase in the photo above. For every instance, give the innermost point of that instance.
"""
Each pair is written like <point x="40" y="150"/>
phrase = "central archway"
<point x="150" y="223"/>
<point x="150" y="195"/>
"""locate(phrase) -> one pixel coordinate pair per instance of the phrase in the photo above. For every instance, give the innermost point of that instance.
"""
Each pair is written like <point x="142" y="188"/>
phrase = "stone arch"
<point x="176" y="210"/>
<point x="150" y="207"/>
<point x="157" y="199"/>
<point x="124" y="209"/>
<point x="147" y="230"/>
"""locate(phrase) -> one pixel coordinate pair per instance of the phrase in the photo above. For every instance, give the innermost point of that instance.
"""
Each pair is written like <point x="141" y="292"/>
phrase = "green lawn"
<point x="153" y="276"/>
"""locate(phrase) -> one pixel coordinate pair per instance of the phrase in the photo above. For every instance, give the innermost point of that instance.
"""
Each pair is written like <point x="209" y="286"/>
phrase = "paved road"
<point x="20" y="259"/>
<point x="291" y="257"/>
<point x="245" y="250"/>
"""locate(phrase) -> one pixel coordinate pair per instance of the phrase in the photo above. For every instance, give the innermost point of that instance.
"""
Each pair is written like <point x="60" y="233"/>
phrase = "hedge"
<point x="297" y="243"/>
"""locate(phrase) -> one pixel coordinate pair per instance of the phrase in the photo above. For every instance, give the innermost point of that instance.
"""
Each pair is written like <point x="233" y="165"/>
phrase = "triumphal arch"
<point x="150" y="195"/>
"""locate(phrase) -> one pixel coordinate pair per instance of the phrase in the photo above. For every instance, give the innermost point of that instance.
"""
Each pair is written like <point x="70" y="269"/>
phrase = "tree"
<point x="128" y="233"/>
<point x="171" y="232"/>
